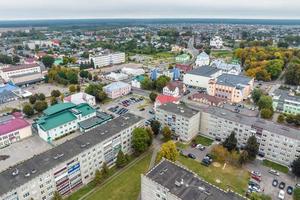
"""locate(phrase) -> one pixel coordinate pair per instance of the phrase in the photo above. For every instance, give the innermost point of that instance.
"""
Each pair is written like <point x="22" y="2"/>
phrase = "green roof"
<point x="58" y="108"/>
<point x="49" y="122"/>
<point x="85" y="109"/>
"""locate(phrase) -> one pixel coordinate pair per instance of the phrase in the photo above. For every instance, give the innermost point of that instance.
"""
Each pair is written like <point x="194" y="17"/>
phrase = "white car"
<point x="281" y="194"/>
<point x="274" y="172"/>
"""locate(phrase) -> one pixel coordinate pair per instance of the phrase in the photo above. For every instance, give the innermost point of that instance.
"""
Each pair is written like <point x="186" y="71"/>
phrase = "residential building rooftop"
<point x="233" y="80"/>
<point x="44" y="162"/>
<point x="179" y="109"/>
<point x="186" y="185"/>
<point x="206" y="71"/>
<point x="115" y="85"/>
<point x="12" y="123"/>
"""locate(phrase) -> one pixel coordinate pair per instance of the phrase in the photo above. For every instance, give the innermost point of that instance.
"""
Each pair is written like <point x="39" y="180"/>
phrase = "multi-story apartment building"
<point x="278" y="143"/>
<point x="182" y="120"/>
<point x="232" y="88"/>
<point x="67" y="167"/>
<point x="169" y="181"/>
<point x="117" y="89"/>
<point x="108" y="59"/>
<point x="284" y="102"/>
<point x="62" y="119"/>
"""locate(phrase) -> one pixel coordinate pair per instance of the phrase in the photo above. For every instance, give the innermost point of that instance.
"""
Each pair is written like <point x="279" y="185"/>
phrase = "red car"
<point x="194" y="145"/>
<point x="257" y="178"/>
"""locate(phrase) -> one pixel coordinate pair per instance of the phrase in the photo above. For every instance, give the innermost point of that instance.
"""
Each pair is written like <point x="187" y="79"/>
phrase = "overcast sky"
<point x="57" y="9"/>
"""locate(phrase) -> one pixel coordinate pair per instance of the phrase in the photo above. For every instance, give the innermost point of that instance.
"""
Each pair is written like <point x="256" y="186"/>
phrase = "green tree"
<point x="72" y="77"/>
<point x="53" y="101"/>
<point x="256" y="94"/>
<point x="41" y="97"/>
<point x="296" y="194"/>
<point x="296" y="167"/>
<point x="48" y="61"/>
<point x="28" y="110"/>
<point x="84" y="74"/>
<point x="243" y="158"/>
<point x="280" y="118"/>
<point x="78" y="88"/>
<point x="121" y="159"/>
<point x="98" y="177"/>
<point x="105" y="170"/>
<point x="167" y="133"/>
<point x="292" y="74"/>
<point x="275" y="67"/>
<point x="147" y="84"/>
<point x="140" y="140"/>
<point x="265" y="102"/>
<point x="152" y="96"/>
<point x="161" y="82"/>
<point x="252" y="147"/>
<point x="150" y="134"/>
<point x="230" y="142"/>
<point x="72" y="88"/>
<point x="258" y="196"/>
<point x="101" y="96"/>
<point x="32" y="99"/>
<point x="155" y="126"/>
<point x="39" y="106"/>
<point x="266" y="113"/>
<point x="57" y="196"/>
<point x="169" y="151"/>
<point x="55" y="93"/>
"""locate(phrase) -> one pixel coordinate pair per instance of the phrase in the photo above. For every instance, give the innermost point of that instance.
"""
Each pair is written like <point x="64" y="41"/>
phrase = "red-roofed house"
<point x="184" y="68"/>
<point x="13" y="128"/>
<point x="175" y="89"/>
<point x="162" y="99"/>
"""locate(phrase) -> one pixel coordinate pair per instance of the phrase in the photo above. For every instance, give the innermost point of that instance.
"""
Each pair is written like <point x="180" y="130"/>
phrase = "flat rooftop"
<point x="233" y="80"/>
<point x="45" y="161"/>
<point x="206" y="71"/>
<point x="179" y="109"/>
<point x="186" y="185"/>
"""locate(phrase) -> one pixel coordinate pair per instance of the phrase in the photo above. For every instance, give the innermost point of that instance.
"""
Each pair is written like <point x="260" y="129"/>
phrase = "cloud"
<point x="45" y="9"/>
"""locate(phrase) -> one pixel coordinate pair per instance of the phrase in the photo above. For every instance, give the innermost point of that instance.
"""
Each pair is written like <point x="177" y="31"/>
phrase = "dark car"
<point x="192" y="156"/>
<point x="142" y="109"/>
<point x="193" y="145"/>
<point x="289" y="190"/>
<point x="275" y="182"/>
<point x="281" y="185"/>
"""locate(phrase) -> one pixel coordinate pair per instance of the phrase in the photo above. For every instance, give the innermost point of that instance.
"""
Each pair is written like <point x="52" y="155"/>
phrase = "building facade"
<point x="216" y="42"/>
<point x="182" y="120"/>
<point x="62" y="119"/>
<point x="202" y="59"/>
<point x="175" y="89"/>
<point x="81" y="97"/>
<point x="285" y="102"/>
<point x="278" y="143"/>
<point x="67" y="167"/>
<point x="227" y="68"/>
<point x="183" y="58"/>
<point x="117" y="89"/>
<point x="108" y="59"/>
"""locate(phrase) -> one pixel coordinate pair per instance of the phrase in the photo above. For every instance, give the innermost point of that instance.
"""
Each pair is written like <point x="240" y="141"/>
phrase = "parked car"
<point x="192" y="156"/>
<point x="252" y="183"/>
<point x="289" y="190"/>
<point x="257" y="178"/>
<point x="194" y="145"/>
<point x="281" y="185"/>
<point x="274" y="172"/>
<point x="254" y="188"/>
<point x="142" y="109"/>
<point x="275" y="182"/>
<point x="297" y="185"/>
<point x="281" y="194"/>
<point x="151" y="112"/>
<point x="256" y="173"/>
<point x="200" y="147"/>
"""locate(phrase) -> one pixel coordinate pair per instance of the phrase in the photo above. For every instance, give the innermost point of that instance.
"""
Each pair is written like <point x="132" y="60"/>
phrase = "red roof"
<point x="19" y="67"/>
<point x="13" y="124"/>
<point x="184" y="68"/>
<point x="166" y="99"/>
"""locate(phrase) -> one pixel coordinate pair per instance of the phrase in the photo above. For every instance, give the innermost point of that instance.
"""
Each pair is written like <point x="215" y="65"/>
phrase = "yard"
<point x="221" y="53"/>
<point x="124" y="186"/>
<point x="226" y="178"/>
<point x="203" y="140"/>
<point x="276" y="166"/>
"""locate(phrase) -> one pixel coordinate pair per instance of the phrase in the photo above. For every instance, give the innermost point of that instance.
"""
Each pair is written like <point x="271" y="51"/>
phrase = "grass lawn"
<point x="221" y="53"/>
<point x="181" y="145"/>
<point x="126" y="186"/>
<point x="230" y="177"/>
<point x="203" y="140"/>
<point x="276" y="166"/>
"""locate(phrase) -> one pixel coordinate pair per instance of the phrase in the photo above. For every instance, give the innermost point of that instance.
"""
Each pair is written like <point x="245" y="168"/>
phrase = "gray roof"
<point x="100" y="118"/>
<point x="284" y="95"/>
<point x="206" y="71"/>
<point x="233" y="80"/>
<point x="167" y="173"/>
<point x="179" y="109"/>
<point x="45" y="161"/>
<point x="254" y="121"/>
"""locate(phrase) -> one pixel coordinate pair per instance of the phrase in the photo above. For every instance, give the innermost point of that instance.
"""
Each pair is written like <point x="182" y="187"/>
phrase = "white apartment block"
<point x="18" y="70"/>
<point x="182" y="120"/>
<point x="67" y="167"/>
<point x="108" y="59"/>
<point x="277" y="142"/>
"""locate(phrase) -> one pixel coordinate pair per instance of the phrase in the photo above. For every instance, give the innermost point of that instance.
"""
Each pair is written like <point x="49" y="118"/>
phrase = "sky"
<point x="78" y="9"/>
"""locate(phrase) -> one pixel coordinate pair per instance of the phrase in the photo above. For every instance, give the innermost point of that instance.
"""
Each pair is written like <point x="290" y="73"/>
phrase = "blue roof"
<point x="8" y="87"/>
<point x="114" y="86"/>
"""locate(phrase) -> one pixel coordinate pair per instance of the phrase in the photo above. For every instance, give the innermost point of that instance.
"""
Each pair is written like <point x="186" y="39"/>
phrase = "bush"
<point x="28" y="110"/>
<point x="266" y="113"/>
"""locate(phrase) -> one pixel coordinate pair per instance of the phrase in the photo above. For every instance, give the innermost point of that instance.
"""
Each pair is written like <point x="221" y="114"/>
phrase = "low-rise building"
<point x="277" y="142"/>
<point x="200" y="77"/>
<point x="136" y="81"/>
<point x="170" y="181"/>
<point x="13" y="128"/>
<point x="67" y="167"/>
<point x="108" y="59"/>
<point x="216" y="42"/>
<point x="202" y="59"/>
<point x="207" y="99"/>
<point x="113" y="76"/>
<point x="175" y="89"/>
<point x="163" y="99"/>
<point x="62" y="119"/>
<point x="227" y="68"/>
<point x="117" y="89"/>
<point x="182" y="120"/>
<point x="286" y="102"/>
<point x="81" y="97"/>
<point x="133" y="71"/>
<point x="232" y="88"/>
<point x="183" y="58"/>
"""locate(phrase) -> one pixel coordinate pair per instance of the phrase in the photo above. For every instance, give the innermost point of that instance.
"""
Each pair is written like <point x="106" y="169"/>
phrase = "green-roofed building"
<point x="183" y="58"/>
<point x="61" y="119"/>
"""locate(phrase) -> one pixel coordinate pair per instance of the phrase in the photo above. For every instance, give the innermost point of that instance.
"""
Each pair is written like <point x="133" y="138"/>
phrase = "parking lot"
<point x="23" y="150"/>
